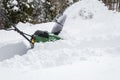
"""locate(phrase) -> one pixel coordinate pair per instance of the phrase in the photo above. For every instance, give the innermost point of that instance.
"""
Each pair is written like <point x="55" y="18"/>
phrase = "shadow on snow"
<point x="8" y="51"/>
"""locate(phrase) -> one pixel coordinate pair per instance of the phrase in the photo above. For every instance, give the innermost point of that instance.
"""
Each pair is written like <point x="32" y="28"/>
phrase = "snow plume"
<point x="93" y="18"/>
<point x="88" y="7"/>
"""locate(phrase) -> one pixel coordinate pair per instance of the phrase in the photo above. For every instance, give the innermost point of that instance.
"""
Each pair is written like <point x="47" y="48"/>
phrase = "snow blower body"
<point x="44" y="36"/>
<point x="39" y="35"/>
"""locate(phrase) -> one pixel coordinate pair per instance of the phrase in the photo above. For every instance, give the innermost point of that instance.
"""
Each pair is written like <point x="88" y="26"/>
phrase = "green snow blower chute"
<point x="39" y="35"/>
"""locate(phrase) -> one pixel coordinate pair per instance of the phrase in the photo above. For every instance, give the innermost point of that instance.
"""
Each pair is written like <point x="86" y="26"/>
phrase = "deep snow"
<point x="90" y="49"/>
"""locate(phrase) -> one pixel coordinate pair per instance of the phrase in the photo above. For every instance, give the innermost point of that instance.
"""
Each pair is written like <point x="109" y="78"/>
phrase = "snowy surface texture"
<point x="90" y="49"/>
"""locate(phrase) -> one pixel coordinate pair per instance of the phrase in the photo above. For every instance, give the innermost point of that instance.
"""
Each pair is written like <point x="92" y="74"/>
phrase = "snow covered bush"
<point x="34" y="11"/>
<point x="18" y="10"/>
<point x="46" y="10"/>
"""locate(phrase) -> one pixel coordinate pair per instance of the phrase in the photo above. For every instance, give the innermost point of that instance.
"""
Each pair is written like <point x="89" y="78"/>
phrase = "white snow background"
<point x="90" y="49"/>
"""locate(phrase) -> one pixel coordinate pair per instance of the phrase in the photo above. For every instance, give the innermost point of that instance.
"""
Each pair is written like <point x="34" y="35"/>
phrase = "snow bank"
<point x="87" y="34"/>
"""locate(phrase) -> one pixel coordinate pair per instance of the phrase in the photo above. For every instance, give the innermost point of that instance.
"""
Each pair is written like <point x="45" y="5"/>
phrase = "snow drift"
<point x="87" y="33"/>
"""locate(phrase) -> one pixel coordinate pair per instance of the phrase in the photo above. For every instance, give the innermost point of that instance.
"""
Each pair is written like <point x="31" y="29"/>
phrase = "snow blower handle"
<point x="16" y="29"/>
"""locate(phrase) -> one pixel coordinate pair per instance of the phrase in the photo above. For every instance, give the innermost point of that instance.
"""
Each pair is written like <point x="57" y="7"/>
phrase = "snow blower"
<point x="39" y="36"/>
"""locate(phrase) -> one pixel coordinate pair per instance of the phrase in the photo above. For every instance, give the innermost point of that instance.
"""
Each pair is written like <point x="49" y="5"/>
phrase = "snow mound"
<point x="88" y="35"/>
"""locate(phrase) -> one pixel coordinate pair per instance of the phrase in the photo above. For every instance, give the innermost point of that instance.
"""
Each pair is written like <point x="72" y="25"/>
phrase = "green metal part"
<point x="51" y="37"/>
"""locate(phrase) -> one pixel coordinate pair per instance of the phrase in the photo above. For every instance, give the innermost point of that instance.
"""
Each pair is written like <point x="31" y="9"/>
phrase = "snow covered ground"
<point x="90" y="49"/>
